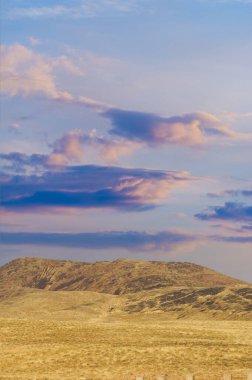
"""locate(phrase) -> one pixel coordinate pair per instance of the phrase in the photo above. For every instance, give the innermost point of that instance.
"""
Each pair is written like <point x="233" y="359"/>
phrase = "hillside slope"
<point x="116" y="277"/>
<point x="220" y="302"/>
<point x="46" y="305"/>
<point x="65" y="290"/>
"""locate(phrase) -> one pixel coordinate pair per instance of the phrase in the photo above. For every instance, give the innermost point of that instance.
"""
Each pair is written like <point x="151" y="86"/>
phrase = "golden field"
<point x="123" y="346"/>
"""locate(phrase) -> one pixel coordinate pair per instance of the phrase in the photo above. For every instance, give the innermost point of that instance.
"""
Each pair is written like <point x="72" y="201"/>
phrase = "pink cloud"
<point x="149" y="190"/>
<point x="26" y="72"/>
<point x="14" y="126"/>
<point x="68" y="148"/>
<point x="72" y="145"/>
<point x="110" y="149"/>
<point x="192" y="129"/>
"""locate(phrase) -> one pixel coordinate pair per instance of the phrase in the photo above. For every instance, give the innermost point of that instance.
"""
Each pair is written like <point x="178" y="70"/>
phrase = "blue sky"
<point x="126" y="131"/>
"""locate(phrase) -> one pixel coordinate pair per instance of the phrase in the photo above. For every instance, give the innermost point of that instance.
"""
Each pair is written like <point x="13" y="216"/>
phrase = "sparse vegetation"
<point x="116" y="277"/>
<point x="122" y="347"/>
<point x="88" y="335"/>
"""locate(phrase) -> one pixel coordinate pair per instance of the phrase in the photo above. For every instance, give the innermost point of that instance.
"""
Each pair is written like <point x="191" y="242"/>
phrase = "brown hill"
<point x="169" y="318"/>
<point x="29" y="288"/>
<point x="116" y="277"/>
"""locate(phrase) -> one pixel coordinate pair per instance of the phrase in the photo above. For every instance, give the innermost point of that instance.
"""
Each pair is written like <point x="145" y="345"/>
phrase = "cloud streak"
<point x="234" y="239"/>
<point x="85" y="187"/>
<point x="230" y="211"/>
<point x="162" y="241"/>
<point x="77" y="9"/>
<point x="129" y="240"/>
<point x="20" y="162"/>
<point x="235" y="193"/>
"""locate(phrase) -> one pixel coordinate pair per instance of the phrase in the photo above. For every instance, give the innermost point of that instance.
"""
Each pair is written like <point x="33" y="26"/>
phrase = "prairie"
<point x="95" y="345"/>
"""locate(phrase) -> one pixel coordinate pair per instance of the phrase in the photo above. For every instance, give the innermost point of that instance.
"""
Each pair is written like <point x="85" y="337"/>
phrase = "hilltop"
<point x="116" y="277"/>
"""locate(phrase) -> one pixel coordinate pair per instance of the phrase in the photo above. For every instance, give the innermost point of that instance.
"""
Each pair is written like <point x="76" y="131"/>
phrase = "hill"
<point x="52" y="289"/>
<point x="114" y="320"/>
<point x="116" y="277"/>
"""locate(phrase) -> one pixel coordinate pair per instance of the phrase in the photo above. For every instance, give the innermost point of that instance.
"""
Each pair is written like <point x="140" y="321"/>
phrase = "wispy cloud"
<point x="34" y="12"/>
<point x="244" y="2"/>
<point x="162" y="241"/>
<point x="83" y="187"/>
<point x="15" y="162"/>
<point x="129" y="240"/>
<point x="26" y="72"/>
<point x="235" y="193"/>
<point x="232" y="193"/>
<point x="76" y="9"/>
<point x="230" y="212"/>
<point x="234" y="239"/>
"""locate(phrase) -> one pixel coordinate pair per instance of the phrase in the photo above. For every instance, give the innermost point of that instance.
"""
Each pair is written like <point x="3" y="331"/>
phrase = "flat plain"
<point x="121" y="348"/>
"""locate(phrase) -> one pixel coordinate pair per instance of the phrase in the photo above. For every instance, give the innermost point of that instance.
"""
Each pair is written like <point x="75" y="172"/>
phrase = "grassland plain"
<point x="120" y="347"/>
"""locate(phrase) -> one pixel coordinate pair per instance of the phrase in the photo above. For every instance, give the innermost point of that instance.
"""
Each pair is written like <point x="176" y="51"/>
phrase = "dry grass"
<point x="96" y="336"/>
<point x="41" y="304"/>
<point x="120" y="347"/>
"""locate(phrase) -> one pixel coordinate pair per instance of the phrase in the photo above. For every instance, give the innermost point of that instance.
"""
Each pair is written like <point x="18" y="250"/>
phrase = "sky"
<point x="126" y="131"/>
